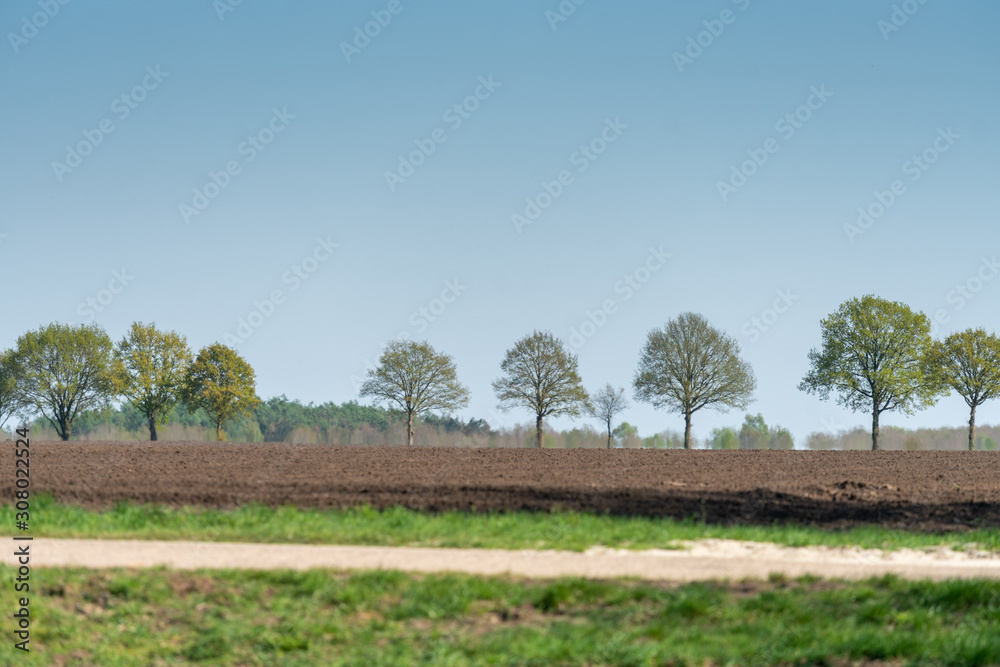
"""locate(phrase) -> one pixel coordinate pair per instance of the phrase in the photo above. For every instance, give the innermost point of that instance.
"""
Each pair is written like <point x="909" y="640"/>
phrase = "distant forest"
<point x="280" y="419"/>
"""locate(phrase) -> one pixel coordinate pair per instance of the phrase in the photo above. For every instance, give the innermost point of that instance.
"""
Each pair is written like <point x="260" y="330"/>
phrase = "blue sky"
<point x="212" y="154"/>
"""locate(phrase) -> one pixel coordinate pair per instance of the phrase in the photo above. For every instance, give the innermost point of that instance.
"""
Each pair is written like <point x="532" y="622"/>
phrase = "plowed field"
<point x="931" y="490"/>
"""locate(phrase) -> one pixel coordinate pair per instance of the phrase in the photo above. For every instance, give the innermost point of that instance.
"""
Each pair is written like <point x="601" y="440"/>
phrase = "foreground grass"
<point x="398" y="527"/>
<point x="160" y="617"/>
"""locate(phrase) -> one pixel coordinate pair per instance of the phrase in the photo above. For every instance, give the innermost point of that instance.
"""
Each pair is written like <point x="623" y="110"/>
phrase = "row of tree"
<point x="61" y="372"/>
<point x="879" y="356"/>
<point x="685" y="366"/>
<point x="876" y="355"/>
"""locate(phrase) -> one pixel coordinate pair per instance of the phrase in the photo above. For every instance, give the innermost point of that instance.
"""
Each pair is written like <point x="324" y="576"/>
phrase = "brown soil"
<point x="930" y="490"/>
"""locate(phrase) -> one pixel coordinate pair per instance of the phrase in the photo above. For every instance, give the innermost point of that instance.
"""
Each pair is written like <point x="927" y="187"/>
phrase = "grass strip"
<point x="119" y="618"/>
<point x="572" y="531"/>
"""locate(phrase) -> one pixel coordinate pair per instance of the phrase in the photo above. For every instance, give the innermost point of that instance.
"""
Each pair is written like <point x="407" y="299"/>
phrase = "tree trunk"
<point x="152" y="428"/>
<point x="64" y="428"/>
<point x="972" y="429"/>
<point x="218" y="430"/>
<point x="538" y="431"/>
<point x="609" y="434"/>
<point x="874" y="427"/>
<point x="687" y="430"/>
<point x="409" y="428"/>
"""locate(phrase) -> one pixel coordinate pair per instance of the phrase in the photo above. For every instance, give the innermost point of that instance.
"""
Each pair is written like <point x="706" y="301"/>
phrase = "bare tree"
<point x="541" y="376"/>
<point x="418" y="379"/>
<point x="606" y="404"/>
<point x="688" y="365"/>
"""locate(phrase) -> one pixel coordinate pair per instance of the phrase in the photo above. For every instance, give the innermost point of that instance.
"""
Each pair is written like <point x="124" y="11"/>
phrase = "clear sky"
<point x="180" y="162"/>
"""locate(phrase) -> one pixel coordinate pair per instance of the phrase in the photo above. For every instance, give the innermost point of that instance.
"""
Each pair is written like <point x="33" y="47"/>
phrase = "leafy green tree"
<point x="417" y="379"/>
<point x="277" y="417"/>
<point x="724" y="438"/>
<point x="969" y="363"/>
<point x="876" y="357"/>
<point x="221" y="383"/>
<point x="541" y="376"/>
<point x="688" y="365"/>
<point x="606" y="404"/>
<point x="754" y="434"/>
<point x="626" y="432"/>
<point x="148" y="371"/>
<point x="655" y="441"/>
<point x="60" y="371"/>
<point x="781" y="438"/>
<point x="10" y="399"/>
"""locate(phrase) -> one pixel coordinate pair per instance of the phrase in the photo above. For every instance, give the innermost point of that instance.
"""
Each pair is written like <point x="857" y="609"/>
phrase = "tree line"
<point x="876" y="355"/>
<point x="60" y="372"/>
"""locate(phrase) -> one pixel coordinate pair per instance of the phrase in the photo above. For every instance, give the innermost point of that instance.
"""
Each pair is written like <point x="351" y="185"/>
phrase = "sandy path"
<point x="705" y="559"/>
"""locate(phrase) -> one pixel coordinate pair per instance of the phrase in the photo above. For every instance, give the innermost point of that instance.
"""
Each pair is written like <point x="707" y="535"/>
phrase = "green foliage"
<point x="896" y="438"/>
<point x="221" y="383"/>
<point x="625" y="430"/>
<point x="60" y="371"/>
<point x="541" y="376"/>
<point x="655" y="441"/>
<point x="969" y="363"/>
<point x="278" y="417"/>
<point x="148" y="371"/>
<point x="755" y="434"/>
<point x="689" y="365"/>
<point x="724" y="438"/>
<point x="625" y="433"/>
<point x="10" y="399"/>
<point x="417" y="378"/>
<point x="876" y="356"/>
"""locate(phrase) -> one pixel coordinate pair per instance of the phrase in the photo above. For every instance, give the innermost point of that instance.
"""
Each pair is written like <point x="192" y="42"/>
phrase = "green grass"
<point x="397" y="527"/>
<point x="158" y="617"/>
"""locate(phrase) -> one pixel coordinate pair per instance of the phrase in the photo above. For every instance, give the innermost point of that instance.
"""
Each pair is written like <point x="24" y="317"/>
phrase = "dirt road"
<point x="706" y="559"/>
